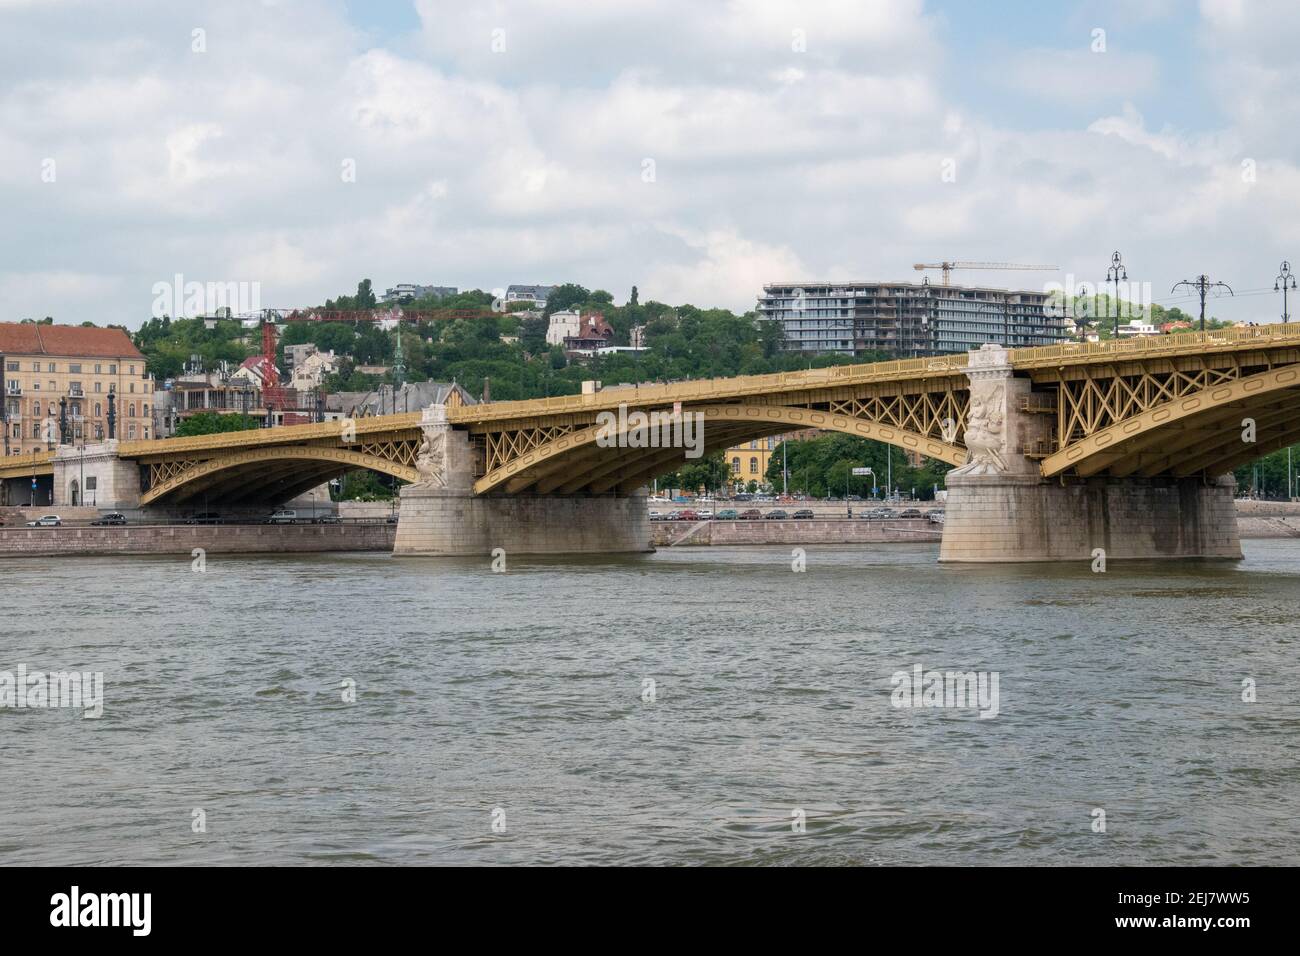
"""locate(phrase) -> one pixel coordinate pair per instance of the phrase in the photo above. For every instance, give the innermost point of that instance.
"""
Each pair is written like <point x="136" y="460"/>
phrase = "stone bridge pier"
<point x="441" y="515"/>
<point x="1000" y="509"/>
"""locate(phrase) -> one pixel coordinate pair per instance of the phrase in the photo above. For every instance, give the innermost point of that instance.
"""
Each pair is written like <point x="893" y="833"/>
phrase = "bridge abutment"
<point x="95" y="475"/>
<point x="441" y="515"/>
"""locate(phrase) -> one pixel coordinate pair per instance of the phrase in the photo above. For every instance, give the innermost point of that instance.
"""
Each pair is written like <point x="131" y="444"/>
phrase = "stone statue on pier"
<point x="431" y="460"/>
<point x="988" y="435"/>
<point x="986" y="430"/>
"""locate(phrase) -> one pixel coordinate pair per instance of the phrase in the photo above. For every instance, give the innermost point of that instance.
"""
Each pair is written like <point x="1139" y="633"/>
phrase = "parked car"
<point x="283" y="516"/>
<point x="910" y="513"/>
<point x="776" y="514"/>
<point x="204" y="517"/>
<point x="656" y="516"/>
<point x="46" y="521"/>
<point x="934" y="511"/>
<point x="327" y="519"/>
<point x="391" y="519"/>
<point x="802" y="513"/>
<point x="112" y="518"/>
<point x="750" y="514"/>
<point x="686" y="514"/>
<point x="704" y="514"/>
<point x="727" y="514"/>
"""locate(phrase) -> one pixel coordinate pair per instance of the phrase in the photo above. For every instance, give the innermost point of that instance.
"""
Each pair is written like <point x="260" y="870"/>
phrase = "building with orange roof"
<point x="52" y="374"/>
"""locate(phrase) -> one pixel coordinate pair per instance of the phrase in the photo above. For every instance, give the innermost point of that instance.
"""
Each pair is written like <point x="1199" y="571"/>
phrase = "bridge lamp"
<point x="1284" y="281"/>
<point x="1115" y="274"/>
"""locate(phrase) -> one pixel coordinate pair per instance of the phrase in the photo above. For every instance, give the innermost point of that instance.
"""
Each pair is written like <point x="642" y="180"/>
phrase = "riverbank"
<point x="671" y="534"/>
<point x="184" y="539"/>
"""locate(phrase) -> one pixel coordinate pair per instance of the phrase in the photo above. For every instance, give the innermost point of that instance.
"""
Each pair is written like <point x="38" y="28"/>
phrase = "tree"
<point x="365" y="295"/>
<point x="564" y="297"/>
<point x="212" y="423"/>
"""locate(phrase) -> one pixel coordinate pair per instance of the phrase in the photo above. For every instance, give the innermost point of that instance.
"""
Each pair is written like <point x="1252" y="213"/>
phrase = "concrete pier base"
<point x="1009" y="518"/>
<point x="441" y="515"/>
<point x="435" y="522"/>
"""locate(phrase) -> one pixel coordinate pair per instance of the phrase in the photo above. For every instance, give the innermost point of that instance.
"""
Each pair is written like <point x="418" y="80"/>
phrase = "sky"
<point x="696" y="150"/>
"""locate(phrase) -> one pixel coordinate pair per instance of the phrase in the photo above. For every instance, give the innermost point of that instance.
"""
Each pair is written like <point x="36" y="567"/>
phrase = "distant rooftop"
<point x="24" y="338"/>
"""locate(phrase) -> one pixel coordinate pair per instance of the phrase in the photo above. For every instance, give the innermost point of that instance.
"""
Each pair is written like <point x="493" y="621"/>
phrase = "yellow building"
<point x="54" y="370"/>
<point x="748" y="461"/>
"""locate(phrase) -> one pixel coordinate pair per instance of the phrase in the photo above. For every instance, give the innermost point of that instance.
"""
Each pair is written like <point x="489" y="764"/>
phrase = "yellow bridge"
<point x="1167" y="406"/>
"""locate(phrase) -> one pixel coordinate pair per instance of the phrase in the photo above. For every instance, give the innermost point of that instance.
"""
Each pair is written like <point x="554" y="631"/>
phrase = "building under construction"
<point x="907" y="319"/>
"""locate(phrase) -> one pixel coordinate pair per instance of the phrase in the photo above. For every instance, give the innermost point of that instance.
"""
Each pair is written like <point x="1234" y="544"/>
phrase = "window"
<point x="99" y="386"/>
<point x="99" y="369"/>
<point x="753" y="466"/>
<point x="146" y="432"/>
<point x="735" y="466"/>
<point x="36" y="366"/>
<point x="11" y="366"/>
<point x="36" y="409"/>
<point x="53" y="367"/>
<point x="74" y="369"/>
<point x="36" y="430"/>
<point x="133" y="386"/>
<point x="99" y="410"/>
<point x="130" y="413"/>
<point x="144" y="410"/>
<point x="130" y="431"/>
<point x="112" y="370"/>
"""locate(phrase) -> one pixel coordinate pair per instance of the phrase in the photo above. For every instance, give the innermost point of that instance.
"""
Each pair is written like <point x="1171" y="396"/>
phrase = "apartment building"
<point x="411" y="290"/>
<point x="907" y="319"/>
<point x="51" y="374"/>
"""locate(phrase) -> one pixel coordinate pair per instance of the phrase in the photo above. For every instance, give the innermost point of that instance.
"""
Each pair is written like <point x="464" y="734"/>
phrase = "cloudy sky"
<point x="694" y="149"/>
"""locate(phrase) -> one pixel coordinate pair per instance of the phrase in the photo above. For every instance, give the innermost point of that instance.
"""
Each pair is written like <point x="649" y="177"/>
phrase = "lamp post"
<point x="1113" y="275"/>
<point x="1284" y="281"/>
<point x="1202" y="285"/>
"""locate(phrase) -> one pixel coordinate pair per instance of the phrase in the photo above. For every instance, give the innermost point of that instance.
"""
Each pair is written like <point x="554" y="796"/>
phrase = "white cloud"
<point x="477" y="168"/>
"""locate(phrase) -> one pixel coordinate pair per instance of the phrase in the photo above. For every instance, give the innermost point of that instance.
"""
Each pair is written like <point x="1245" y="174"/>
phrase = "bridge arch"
<point x="1200" y="432"/>
<point x="256" y="473"/>
<point x="574" y="461"/>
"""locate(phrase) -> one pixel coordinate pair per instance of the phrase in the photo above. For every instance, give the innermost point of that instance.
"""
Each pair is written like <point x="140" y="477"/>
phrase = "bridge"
<point x="1059" y="450"/>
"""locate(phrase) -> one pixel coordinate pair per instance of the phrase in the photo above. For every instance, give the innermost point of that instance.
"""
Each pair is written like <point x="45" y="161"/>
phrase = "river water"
<point x="503" y="717"/>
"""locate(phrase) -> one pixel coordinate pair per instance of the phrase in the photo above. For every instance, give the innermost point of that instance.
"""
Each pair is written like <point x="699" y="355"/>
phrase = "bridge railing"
<point x="1155" y="345"/>
<point x="717" y="388"/>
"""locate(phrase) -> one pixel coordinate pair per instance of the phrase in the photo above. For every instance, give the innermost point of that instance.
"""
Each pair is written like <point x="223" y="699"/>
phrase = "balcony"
<point x="13" y="388"/>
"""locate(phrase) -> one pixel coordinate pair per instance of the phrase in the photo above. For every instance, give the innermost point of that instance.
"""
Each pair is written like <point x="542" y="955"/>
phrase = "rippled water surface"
<point x="523" y="691"/>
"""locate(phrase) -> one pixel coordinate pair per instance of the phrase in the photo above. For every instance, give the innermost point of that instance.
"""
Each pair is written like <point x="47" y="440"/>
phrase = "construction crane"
<point x="947" y="267"/>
